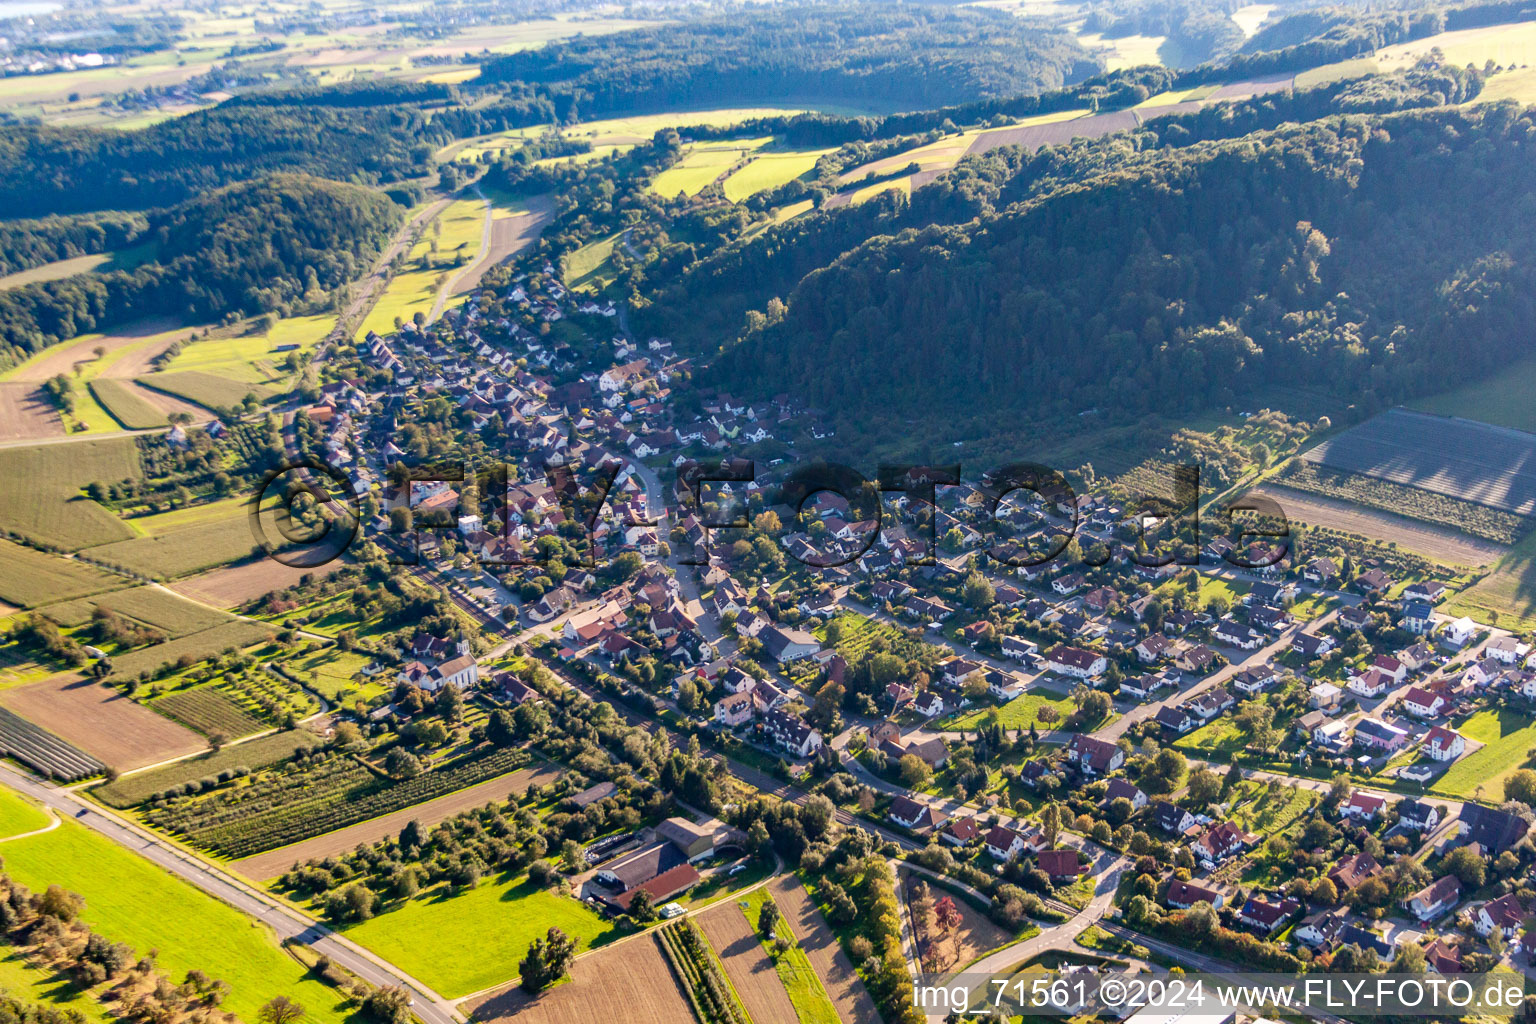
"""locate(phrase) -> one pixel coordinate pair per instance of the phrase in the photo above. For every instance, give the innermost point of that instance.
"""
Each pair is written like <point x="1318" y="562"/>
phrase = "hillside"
<point x="1323" y="253"/>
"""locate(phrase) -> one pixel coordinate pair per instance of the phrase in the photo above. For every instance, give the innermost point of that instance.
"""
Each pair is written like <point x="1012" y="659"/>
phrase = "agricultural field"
<point x="713" y="996"/>
<point x="1462" y="459"/>
<point x="497" y="919"/>
<point x="253" y="358"/>
<point x="130" y="900"/>
<point x="746" y="961"/>
<point x="19" y="815"/>
<point x="51" y="509"/>
<point x="649" y="994"/>
<point x="131" y="789"/>
<point x="1507" y="736"/>
<point x="209" y="390"/>
<point x="274" y="862"/>
<point x="1507" y="595"/>
<point x="811" y="1003"/>
<point x="175" y="616"/>
<point x="1124" y="51"/>
<point x="100" y="262"/>
<point x="1503" y="399"/>
<point x="770" y="170"/>
<point x="100" y="721"/>
<point x="208" y="711"/>
<point x="196" y="646"/>
<point x="201" y="538"/>
<point x="702" y="164"/>
<point x="838" y="978"/>
<point x="430" y="266"/>
<point x="42" y="751"/>
<point x="299" y="802"/>
<point x="234" y="585"/>
<point x="29" y="578"/>
<point x="28" y="413"/>
<point x="126" y="404"/>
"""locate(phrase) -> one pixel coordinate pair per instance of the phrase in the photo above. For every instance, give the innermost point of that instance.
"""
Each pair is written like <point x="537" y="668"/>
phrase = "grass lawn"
<point x="18" y="814"/>
<point x="1019" y="713"/>
<point x="56" y="991"/>
<point x="1507" y="595"/>
<point x="247" y="357"/>
<point x="1506" y="736"/>
<point x="1503" y="399"/>
<point x="496" y="921"/>
<point x="334" y="673"/>
<point x="1221" y="736"/>
<point x="1271" y="810"/>
<point x="130" y="900"/>
<point x="806" y="994"/>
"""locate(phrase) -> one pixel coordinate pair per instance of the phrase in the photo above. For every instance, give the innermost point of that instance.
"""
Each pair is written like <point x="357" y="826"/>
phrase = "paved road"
<point x="282" y="919"/>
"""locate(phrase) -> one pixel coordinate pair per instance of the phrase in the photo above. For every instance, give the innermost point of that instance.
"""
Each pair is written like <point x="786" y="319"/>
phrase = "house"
<point x="697" y="840"/>
<point x="1119" y="788"/>
<point x="1418" y="617"/>
<point x="1004" y="843"/>
<point x="932" y="752"/>
<point x="1183" y="895"/>
<point x="1060" y="865"/>
<point x="1459" y="633"/>
<point x="460" y="673"/>
<point x="1235" y="634"/>
<point x="1354" y="617"/>
<point x="960" y="831"/>
<point x="1196" y="660"/>
<point x="1506" y="649"/>
<point x="1504" y="913"/>
<point x="1069" y="584"/>
<point x="1152" y="648"/>
<point x="1442" y="958"/>
<point x="1174" y="720"/>
<point x="1319" y="930"/>
<point x="1324" y="696"/>
<point x="1434" y="900"/>
<point x="1172" y="818"/>
<point x="1365" y="806"/>
<point x="1266" y="917"/>
<point x="1211" y="703"/>
<point x="1378" y="735"/>
<point x="1354" y="935"/>
<point x="1444" y="744"/>
<point x="1394" y="668"/>
<point x="1432" y="591"/>
<point x="791" y="732"/>
<point x="1076" y="662"/>
<point x="928" y="703"/>
<point x="1372" y="581"/>
<point x="734" y="709"/>
<point x="1493" y="830"/>
<point x="1421" y="703"/>
<point x="1332" y="735"/>
<point x="1418" y="815"/>
<point x="1094" y="756"/>
<point x="1018" y="647"/>
<point x="1312" y="645"/>
<point x="787" y="645"/>
<point x="1142" y="687"/>
<point x="1370" y="683"/>
<point x="1353" y="870"/>
<point x="909" y="813"/>
<point x="1417" y="656"/>
<point x="1273" y="619"/>
<point x="1254" y="680"/>
<point x="1220" y="843"/>
<point x="1320" y="571"/>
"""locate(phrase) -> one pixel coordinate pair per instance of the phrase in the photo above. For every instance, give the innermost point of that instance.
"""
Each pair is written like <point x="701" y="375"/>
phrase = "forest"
<point x="1322" y="254"/>
<point x="250" y="248"/>
<point x="915" y="57"/>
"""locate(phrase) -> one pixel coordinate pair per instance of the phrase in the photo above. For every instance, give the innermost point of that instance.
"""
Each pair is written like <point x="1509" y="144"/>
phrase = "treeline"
<point x="31" y="243"/>
<point x="1178" y="280"/>
<point x="913" y="57"/>
<point x="367" y="92"/>
<point x="1195" y="30"/>
<point x="251" y="248"/>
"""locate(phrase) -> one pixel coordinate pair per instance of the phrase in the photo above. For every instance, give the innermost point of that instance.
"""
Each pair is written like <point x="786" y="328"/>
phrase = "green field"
<point x="1507" y="736"/>
<point x="806" y="993"/>
<point x="1507" y="595"/>
<point x="584" y="267"/>
<point x="1219" y="737"/>
<point x="208" y="711"/>
<point x="251" y="358"/>
<point x="1019" y="713"/>
<point x="50" y="507"/>
<point x="497" y="920"/>
<point x="334" y="673"/>
<point x="456" y="232"/>
<point x="770" y="170"/>
<point x="30" y="578"/>
<point x="48" y="988"/>
<point x="173" y="615"/>
<point x="19" y="815"/>
<point x="258" y="753"/>
<point x="207" y="389"/>
<point x="700" y="167"/>
<point x="130" y="409"/>
<point x="130" y="900"/>
<point x="1503" y="399"/>
<point x="195" y="645"/>
<point x="185" y="546"/>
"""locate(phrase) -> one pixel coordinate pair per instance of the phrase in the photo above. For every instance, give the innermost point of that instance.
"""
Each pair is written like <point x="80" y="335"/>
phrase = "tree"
<point x="1050" y="824"/>
<point x="402" y="764"/>
<point x="946" y="915"/>
<point x="914" y="771"/>
<point x="501" y="729"/>
<point x="59" y="903"/>
<point x="1204" y="786"/>
<point x="1466" y="866"/>
<point x="388" y="1005"/>
<point x="280" y="1010"/>
<point x="1521" y="786"/>
<point x="1410" y="959"/>
<point x="768" y="918"/>
<point x="641" y="908"/>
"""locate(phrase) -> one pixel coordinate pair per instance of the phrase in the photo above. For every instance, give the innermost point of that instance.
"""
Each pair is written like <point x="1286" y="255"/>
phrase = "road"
<point x="285" y="921"/>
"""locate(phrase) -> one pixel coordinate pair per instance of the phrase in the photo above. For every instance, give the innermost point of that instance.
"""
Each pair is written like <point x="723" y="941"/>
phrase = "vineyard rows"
<point x="208" y="711"/>
<point x="713" y="999"/>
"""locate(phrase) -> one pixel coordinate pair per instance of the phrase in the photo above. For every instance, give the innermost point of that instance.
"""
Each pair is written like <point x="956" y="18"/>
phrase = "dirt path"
<point x="274" y="862"/>
<point x="854" y="1005"/>
<point x="1436" y="543"/>
<point x="747" y="963"/>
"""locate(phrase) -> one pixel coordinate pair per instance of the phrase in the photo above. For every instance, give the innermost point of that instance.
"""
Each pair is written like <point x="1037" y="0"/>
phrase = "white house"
<point x="1444" y="744"/>
<point x="1076" y="662"/>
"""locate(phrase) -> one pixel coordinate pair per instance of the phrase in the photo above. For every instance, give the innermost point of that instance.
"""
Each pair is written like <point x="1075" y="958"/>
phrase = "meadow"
<point x="497" y="919"/>
<point x="42" y="499"/>
<point x="770" y="170"/>
<point x="1506" y="596"/>
<point x="128" y="899"/>
<point x="209" y="390"/>
<point x="125" y="405"/>
<point x="19" y="815"/>
<point x="1503" y="399"/>
<point x="429" y="267"/>
<point x="29" y="578"/>
<point x="806" y="994"/>
<point x="197" y="538"/>
<point x="1507" y="737"/>
<point x="48" y="988"/>
<point x="336" y="674"/>
<point x="584" y="268"/>
<point x="252" y="358"/>
<point x="701" y="165"/>
<point x="1019" y="713"/>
